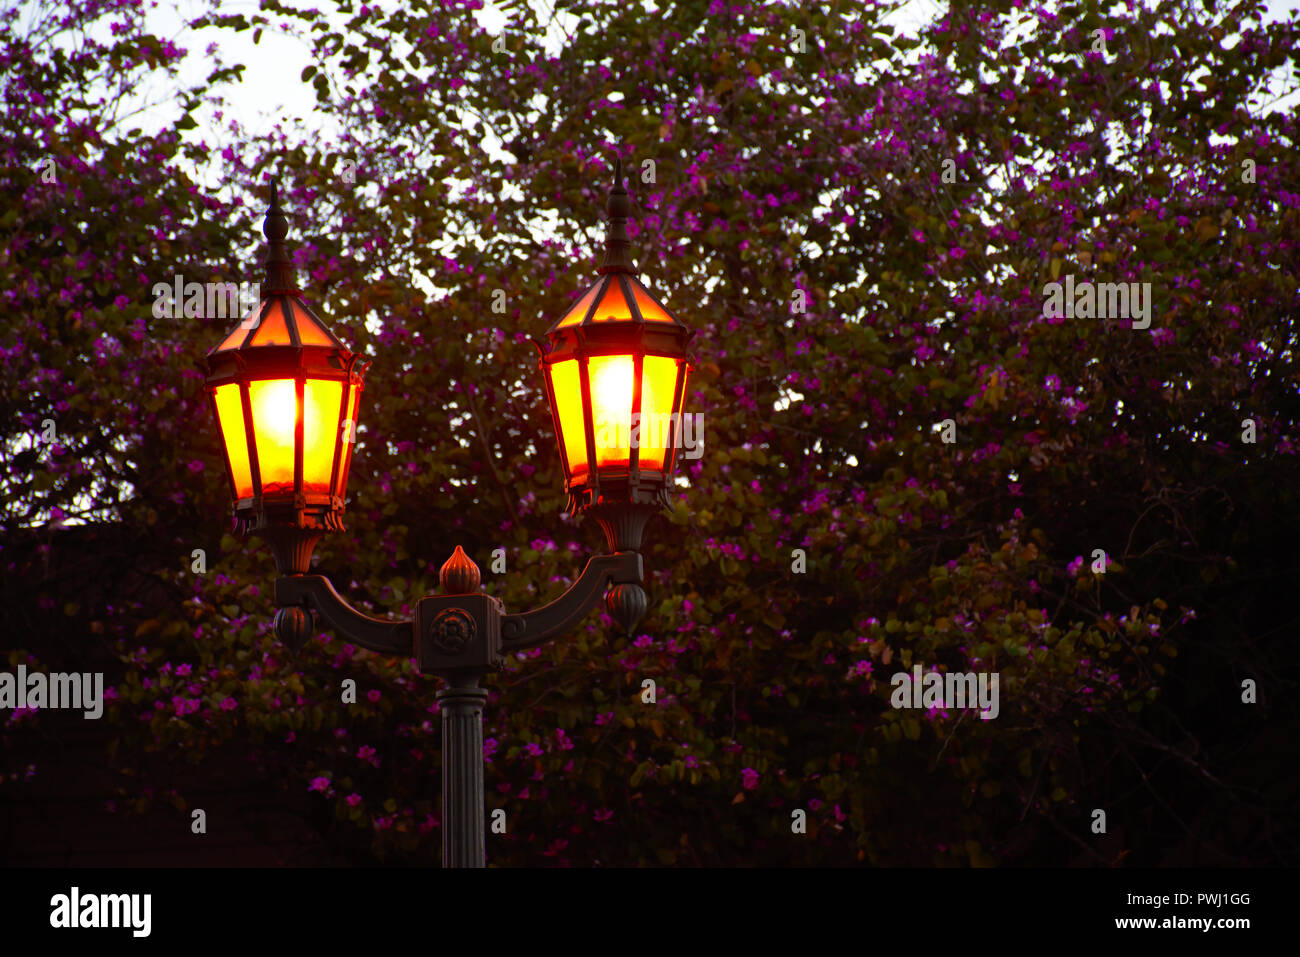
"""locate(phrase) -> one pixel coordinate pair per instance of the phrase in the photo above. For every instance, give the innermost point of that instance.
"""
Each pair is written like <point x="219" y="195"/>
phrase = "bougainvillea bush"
<point x="908" y="459"/>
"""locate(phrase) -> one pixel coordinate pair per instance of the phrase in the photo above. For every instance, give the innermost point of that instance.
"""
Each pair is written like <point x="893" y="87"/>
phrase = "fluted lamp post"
<point x="286" y="392"/>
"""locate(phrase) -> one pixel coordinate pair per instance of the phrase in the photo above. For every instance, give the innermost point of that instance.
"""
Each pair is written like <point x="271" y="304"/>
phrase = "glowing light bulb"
<point x="275" y="413"/>
<point x="611" y="407"/>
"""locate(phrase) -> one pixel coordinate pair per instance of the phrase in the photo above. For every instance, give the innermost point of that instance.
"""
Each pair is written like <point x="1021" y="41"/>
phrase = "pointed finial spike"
<point x="279" y="268"/>
<point x="618" y="206"/>
<point x="275" y="227"/>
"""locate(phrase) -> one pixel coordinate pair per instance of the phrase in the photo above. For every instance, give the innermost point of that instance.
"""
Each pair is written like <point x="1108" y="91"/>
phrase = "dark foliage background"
<point x="779" y="174"/>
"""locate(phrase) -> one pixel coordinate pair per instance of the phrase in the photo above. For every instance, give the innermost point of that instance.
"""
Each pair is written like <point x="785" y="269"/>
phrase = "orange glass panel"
<point x="322" y="400"/>
<point x="234" y="340"/>
<point x="579" y="311"/>
<point x="651" y="311"/>
<point x="309" y="332"/>
<point x="568" y="407"/>
<point x="275" y="413"/>
<point x="230" y="413"/>
<point x="273" y="330"/>
<point x="613" y="307"/>
<point x="658" y="383"/>
<point x="611" y="408"/>
<point x="348" y="433"/>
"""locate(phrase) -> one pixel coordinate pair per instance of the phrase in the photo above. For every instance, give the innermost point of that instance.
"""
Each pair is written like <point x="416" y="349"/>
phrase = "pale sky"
<point x="272" y="85"/>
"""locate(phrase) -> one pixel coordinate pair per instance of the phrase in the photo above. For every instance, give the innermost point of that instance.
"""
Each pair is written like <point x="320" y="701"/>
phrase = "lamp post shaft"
<point x="461" y="706"/>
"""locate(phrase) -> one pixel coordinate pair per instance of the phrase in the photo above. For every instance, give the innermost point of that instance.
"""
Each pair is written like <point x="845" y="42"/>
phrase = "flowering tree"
<point x="912" y="458"/>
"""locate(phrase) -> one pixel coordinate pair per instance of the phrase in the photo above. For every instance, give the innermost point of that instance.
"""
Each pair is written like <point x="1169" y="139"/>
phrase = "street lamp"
<point x="615" y="369"/>
<point x="285" y="393"/>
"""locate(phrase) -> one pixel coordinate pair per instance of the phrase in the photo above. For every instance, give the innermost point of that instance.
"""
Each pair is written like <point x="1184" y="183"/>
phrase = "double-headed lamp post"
<point x="286" y="394"/>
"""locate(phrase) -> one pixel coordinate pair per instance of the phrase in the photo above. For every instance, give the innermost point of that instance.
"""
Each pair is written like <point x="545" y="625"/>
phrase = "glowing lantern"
<point x="285" y="392"/>
<point x="615" y="366"/>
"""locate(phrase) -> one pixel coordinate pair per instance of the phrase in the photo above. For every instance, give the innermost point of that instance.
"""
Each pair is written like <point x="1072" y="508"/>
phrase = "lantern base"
<point x="623" y="523"/>
<point x="290" y="526"/>
<point x="291" y="546"/>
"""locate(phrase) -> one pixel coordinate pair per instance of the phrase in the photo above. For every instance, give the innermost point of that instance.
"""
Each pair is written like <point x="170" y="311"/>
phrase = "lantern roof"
<point x="618" y="296"/>
<point x="283" y="317"/>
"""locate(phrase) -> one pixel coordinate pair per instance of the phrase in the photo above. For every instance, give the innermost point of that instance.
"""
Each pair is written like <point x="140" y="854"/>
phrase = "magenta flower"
<point x="749" y="778"/>
<point x="229" y="704"/>
<point x="353" y="800"/>
<point x="319" y="784"/>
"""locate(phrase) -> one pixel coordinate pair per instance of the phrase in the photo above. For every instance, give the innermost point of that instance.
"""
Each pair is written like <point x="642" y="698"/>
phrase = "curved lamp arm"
<point x="377" y="634"/>
<point x="534" y="627"/>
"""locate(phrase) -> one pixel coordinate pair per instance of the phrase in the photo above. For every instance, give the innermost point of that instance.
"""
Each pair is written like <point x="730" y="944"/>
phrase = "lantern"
<point x="615" y="367"/>
<point x="285" y="392"/>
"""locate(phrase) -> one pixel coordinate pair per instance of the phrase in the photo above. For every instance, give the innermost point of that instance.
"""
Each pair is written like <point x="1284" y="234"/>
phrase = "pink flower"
<point x="603" y="815"/>
<point x="353" y="800"/>
<point x="749" y="778"/>
<point x="319" y="784"/>
<point x="229" y="704"/>
<point x="373" y="696"/>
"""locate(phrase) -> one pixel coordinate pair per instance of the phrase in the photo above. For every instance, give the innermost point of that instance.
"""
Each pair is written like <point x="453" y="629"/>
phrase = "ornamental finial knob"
<point x="459" y="576"/>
